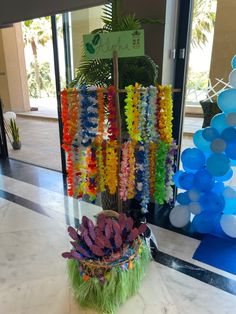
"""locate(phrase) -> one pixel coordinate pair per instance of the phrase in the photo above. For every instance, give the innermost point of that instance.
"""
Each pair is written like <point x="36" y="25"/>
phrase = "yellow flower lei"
<point x="132" y="111"/>
<point x="165" y="113"/>
<point x="101" y="167"/>
<point x="111" y="178"/>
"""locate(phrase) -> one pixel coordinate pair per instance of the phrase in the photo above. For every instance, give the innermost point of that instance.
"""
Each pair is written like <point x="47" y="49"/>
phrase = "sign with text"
<point x="126" y="44"/>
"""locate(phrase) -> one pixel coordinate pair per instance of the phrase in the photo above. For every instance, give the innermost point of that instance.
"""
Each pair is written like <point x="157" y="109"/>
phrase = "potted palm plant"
<point x="15" y="134"/>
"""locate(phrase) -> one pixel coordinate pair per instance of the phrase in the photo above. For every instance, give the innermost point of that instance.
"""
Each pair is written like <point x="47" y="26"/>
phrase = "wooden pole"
<point x="119" y="122"/>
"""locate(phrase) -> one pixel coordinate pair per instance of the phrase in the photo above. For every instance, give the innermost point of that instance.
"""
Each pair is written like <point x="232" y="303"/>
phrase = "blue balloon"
<point x="186" y="180"/>
<point x="229" y="134"/>
<point x="203" y="180"/>
<point x="233" y="162"/>
<point x="233" y="62"/>
<point x="218" y="187"/>
<point x="218" y="164"/>
<point x="219" y="122"/>
<point x="230" y="150"/>
<point x="226" y="177"/>
<point x="176" y="178"/>
<point x="202" y="223"/>
<point x="183" y="199"/>
<point x="210" y="134"/>
<point x="212" y="202"/>
<point x="227" y="100"/>
<point x="200" y="142"/>
<point x="193" y="158"/>
<point x="230" y="206"/>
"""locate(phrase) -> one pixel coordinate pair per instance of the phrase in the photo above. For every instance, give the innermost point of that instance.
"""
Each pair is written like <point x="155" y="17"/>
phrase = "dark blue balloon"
<point x="193" y="158"/>
<point x="210" y="133"/>
<point x="183" y="199"/>
<point x="218" y="164"/>
<point x="202" y="223"/>
<point x="176" y="178"/>
<point x="231" y="150"/>
<point x="212" y="202"/>
<point x="229" y="134"/>
<point x="218" y="187"/>
<point x="203" y="180"/>
<point x="186" y="180"/>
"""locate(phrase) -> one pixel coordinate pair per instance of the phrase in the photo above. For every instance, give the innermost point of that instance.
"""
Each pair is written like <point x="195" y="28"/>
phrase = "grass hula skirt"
<point x="105" y="282"/>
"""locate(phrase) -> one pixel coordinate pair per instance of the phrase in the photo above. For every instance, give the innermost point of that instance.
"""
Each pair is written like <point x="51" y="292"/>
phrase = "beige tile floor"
<point x="40" y="143"/>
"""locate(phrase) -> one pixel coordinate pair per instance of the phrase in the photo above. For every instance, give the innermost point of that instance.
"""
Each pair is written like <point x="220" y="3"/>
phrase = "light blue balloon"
<point x="226" y="177"/>
<point x="229" y="134"/>
<point x="227" y="100"/>
<point x="193" y="158"/>
<point x="186" y="181"/>
<point x="183" y="199"/>
<point x="202" y="223"/>
<point x="212" y="202"/>
<point x="230" y="150"/>
<point x="203" y="180"/>
<point x="218" y="164"/>
<point x="230" y="206"/>
<point x="233" y="62"/>
<point x="219" y="122"/>
<point x="176" y="178"/>
<point x="233" y="162"/>
<point x="200" y="142"/>
<point x="210" y="134"/>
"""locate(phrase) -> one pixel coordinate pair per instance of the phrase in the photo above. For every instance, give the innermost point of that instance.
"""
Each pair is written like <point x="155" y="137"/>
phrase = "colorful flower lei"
<point x="132" y="168"/>
<point x="161" y="155"/>
<point x="152" y="165"/>
<point x="89" y="115"/>
<point x="146" y="177"/>
<point x="124" y="172"/>
<point x="91" y="173"/>
<point x="101" y="112"/>
<point x="169" y="195"/>
<point x="132" y="111"/>
<point x="140" y="171"/>
<point x="143" y="111"/>
<point x="101" y="166"/>
<point x="151" y="115"/>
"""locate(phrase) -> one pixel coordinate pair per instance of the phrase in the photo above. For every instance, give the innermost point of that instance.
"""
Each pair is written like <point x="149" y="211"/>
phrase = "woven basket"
<point x="98" y="268"/>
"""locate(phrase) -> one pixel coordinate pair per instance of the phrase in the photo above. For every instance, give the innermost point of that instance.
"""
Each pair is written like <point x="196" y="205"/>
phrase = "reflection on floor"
<point x="33" y="221"/>
<point x="40" y="143"/>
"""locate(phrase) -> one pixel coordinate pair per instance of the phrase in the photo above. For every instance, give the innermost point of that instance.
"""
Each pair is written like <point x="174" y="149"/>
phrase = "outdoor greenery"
<point x="44" y="83"/>
<point x="99" y="72"/>
<point x="203" y="21"/>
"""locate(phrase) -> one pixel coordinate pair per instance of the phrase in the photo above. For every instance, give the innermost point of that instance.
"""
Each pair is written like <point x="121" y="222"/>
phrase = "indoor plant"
<point x="14" y="129"/>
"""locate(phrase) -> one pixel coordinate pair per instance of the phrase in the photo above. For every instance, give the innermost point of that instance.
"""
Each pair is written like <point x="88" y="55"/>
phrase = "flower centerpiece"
<point x="107" y="260"/>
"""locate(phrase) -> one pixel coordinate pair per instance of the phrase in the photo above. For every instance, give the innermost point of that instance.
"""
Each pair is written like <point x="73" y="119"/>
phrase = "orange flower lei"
<point x="152" y="165"/>
<point x="111" y="166"/>
<point x="165" y="113"/>
<point x="101" y="112"/>
<point x="132" y="168"/>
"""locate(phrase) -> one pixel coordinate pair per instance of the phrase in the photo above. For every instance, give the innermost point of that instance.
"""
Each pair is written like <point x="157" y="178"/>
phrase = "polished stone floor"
<point x="34" y="215"/>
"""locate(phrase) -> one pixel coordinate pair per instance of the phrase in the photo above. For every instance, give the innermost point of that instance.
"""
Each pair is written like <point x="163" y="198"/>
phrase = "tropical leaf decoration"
<point x="131" y="70"/>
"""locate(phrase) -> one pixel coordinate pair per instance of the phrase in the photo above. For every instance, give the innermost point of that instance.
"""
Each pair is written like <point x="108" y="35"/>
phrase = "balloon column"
<point x="206" y="168"/>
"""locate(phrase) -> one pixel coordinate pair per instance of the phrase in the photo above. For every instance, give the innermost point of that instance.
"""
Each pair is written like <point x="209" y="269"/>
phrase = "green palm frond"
<point x="129" y="22"/>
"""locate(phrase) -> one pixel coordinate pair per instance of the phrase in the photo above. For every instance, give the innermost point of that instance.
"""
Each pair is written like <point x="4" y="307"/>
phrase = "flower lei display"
<point x="132" y="111"/>
<point x="111" y="166"/>
<point x="147" y="156"/>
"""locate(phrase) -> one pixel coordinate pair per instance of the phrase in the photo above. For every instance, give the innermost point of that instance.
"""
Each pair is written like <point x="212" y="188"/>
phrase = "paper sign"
<point x="126" y="44"/>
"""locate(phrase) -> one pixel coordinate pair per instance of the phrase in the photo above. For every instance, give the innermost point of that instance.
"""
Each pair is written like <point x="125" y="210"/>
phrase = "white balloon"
<point x="9" y="115"/>
<point x="195" y="208"/>
<point x="228" y="224"/>
<point x="231" y="119"/>
<point x="218" y="145"/>
<point x="229" y="192"/>
<point x="194" y="195"/>
<point x="179" y="216"/>
<point x="232" y="78"/>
